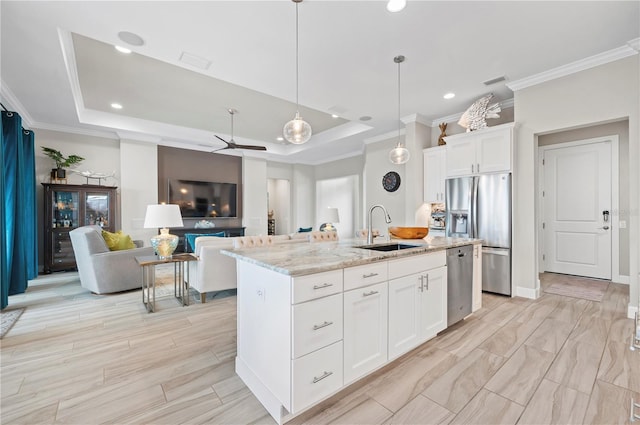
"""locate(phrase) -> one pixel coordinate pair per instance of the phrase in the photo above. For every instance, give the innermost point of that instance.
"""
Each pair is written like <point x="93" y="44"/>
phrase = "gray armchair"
<point x="102" y="271"/>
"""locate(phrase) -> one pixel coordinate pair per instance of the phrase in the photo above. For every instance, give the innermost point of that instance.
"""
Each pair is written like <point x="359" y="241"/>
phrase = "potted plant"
<point x="61" y="162"/>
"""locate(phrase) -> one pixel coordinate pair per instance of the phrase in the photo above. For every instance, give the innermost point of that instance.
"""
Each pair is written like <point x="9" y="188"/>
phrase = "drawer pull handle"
<point x="324" y="325"/>
<point x="366" y="294"/>
<point x="324" y="285"/>
<point x="324" y="375"/>
<point x="365" y="276"/>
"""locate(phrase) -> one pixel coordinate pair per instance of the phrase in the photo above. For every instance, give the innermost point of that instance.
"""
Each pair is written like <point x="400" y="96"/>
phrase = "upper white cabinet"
<point x="478" y="152"/>
<point x="434" y="174"/>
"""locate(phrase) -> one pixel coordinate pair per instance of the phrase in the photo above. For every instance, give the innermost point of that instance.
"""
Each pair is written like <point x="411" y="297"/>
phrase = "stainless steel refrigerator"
<point x="480" y="207"/>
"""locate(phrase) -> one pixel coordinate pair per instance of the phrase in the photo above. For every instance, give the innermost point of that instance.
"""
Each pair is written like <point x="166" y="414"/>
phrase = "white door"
<point x="577" y="195"/>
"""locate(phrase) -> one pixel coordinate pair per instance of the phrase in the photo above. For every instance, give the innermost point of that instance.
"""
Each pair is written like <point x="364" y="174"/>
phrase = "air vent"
<point x="194" y="60"/>
<point x="494" y="80"/>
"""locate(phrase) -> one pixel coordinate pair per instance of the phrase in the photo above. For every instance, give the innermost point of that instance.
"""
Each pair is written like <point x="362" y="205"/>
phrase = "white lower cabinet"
<point x="316" y="376"/>
<point x="302" y="339"/>
<point x="417" y="309"/>
<point x="365" y="330"/>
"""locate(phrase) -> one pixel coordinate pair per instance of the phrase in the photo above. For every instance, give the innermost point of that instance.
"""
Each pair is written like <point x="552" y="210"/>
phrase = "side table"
<point x="180" y="285"/>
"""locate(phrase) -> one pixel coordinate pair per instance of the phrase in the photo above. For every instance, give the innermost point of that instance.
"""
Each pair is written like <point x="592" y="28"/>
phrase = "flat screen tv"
<point x="204" y="199"/>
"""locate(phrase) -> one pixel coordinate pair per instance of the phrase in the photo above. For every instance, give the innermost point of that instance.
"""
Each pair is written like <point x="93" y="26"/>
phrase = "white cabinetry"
<point x="483" y="151"/>
<point x="434" y="174"/>
<point x="417" y="302"/>
<point x="365" y="330"/>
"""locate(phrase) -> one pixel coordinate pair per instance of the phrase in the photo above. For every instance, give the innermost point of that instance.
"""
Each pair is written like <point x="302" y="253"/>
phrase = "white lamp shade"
<point x="331" y="215"/>
<point x="165" y="215"/>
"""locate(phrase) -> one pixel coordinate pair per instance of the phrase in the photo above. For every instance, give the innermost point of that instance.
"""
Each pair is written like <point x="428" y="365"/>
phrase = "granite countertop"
<point x="297" y="259"/>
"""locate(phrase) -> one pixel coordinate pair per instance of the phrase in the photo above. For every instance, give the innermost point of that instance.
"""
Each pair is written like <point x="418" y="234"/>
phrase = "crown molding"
<point x="509" y="103"/>
<point x="385" y="136"/>
<point x="69" y="58"/>
<point x="630" y="49"/>
<point x="76" y="130"/>
<point x="14" y="104"/>
<point x="415" y="118"/>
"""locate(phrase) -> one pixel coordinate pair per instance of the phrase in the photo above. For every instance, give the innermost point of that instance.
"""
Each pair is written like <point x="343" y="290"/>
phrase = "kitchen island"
<point x="314" y="318"/>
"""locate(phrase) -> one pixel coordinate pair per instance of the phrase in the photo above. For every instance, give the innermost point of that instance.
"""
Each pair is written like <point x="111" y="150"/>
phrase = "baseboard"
<point x="620" y="279"/>
<point x="531" y="293"/>
<point x="631" y="311"/>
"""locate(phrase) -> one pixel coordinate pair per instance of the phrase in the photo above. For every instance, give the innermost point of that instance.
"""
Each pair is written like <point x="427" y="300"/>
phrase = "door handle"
<point x="605" y="227"/>
<point x="367" y="294"/>
<point x="421" y="278"/>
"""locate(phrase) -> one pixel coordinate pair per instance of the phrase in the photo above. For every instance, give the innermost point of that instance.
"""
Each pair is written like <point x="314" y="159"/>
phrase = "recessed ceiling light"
<point x="334" y="116"/>
<point x="280" y="139"/>
<point x="130" y="38"/>
<point x="123" y="50"/>
<point x="449" y="96"/>
<point x="396" y="5"/>
<point x="116" y="106"/>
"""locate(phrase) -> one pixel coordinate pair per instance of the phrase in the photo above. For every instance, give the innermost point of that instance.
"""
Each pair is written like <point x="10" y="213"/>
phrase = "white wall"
<point x="279" y="191"/>
<point x="342" y="193"/>
<point x="417" y="139"/>
<point x="376" y="166"/>
<point x="254" y="196"/>
<point x="606" y="93"/>
<point x="303" y="194"/>
<point x="139" y="187"/>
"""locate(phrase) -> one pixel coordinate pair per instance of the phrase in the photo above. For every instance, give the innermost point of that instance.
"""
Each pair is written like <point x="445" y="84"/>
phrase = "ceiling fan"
<point x="231" y="144"/>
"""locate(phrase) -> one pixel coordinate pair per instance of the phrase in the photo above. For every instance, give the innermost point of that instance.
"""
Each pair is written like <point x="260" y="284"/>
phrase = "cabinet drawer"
<point x="316" y="324"/>
<point x="315" y="376"/>
<point x="358" y="276"/>
<point x="419" y="263"/>
<point x="305" y="288"/>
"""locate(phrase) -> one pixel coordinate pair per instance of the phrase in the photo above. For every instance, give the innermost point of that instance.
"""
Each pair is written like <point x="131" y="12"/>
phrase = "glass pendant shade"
<point x="399" y="154"/>
<point x="297" y="131"/>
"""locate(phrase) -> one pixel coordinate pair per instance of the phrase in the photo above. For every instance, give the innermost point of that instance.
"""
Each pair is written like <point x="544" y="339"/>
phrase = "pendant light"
<point x="399" y="154"/>
<point x="297" y="131"/>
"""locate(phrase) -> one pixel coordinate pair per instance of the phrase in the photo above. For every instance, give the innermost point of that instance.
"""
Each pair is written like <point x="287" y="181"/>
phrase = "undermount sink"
<point x="389" y="247"/>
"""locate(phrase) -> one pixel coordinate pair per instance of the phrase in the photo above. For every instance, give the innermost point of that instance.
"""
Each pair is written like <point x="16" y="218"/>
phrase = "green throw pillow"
<point x="118" y="241"/>
<point x="304" y="229"/>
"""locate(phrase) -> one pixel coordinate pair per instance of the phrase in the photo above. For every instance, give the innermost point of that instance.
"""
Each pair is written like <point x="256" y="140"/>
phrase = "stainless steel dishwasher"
<point x="459" y="283"/>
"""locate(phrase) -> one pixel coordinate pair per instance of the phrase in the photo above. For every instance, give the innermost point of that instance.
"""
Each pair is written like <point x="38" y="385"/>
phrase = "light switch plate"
<point x="622" y="224"/>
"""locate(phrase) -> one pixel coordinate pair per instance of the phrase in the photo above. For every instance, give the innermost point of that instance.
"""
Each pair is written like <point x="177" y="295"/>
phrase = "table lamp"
<point x="330" y="216"/>
<point x="163" y="216"/>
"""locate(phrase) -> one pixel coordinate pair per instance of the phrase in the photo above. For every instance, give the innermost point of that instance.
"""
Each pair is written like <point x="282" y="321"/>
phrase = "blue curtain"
<point x="18" y="210"/>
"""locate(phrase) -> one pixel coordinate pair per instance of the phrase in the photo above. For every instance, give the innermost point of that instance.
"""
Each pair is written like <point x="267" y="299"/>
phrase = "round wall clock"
<point x="391" y="181"/>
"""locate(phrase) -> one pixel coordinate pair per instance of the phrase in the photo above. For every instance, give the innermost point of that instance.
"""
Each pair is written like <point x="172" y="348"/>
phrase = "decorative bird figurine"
<point x="443" y="128"/>
<point x="474" y="117"/>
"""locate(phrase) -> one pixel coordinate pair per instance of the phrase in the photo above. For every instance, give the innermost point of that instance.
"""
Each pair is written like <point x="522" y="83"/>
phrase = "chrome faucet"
<point x="387" y="218"/>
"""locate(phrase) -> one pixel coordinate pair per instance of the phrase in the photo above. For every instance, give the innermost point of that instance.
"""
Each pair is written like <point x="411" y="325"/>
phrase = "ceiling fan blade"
<point x="251" y="147"/>
<point x="228" y="145"/>
<point x="233" y="145"/>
